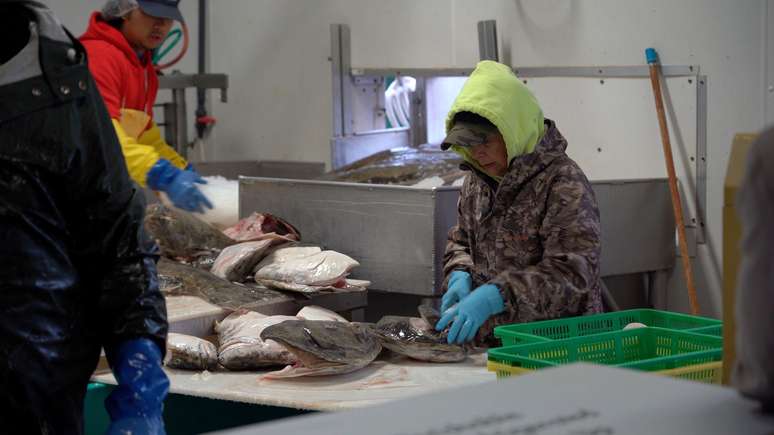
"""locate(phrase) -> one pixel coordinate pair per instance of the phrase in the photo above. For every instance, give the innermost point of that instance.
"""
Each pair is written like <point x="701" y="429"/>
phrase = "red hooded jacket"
<point x="128" y="82"/>
<point x="123" y="79"/>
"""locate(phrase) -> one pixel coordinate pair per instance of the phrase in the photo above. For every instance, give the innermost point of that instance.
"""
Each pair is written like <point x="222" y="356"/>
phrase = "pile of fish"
<point x="262" y="251"/>
<point x="247" y="266"/>
<point x="424" y="166"/>
<point x="182" y="279"/>
<point x="314" y="342"/>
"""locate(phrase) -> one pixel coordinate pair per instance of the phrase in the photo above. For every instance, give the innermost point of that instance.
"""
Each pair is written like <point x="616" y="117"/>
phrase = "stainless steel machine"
<point x="398" y="233"/>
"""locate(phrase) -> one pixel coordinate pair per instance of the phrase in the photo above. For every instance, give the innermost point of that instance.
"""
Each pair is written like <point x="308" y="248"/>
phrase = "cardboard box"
<point x="732" y="237"/>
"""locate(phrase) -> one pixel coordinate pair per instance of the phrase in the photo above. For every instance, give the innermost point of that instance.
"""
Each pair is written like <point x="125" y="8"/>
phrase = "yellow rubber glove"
<point x="152" y="137"/>
<point x="139" y="157"/>
<point x="141" y="154"/>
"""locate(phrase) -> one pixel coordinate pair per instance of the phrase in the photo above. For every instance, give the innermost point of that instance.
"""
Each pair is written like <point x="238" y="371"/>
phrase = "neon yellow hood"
<point x="494" y="92"/>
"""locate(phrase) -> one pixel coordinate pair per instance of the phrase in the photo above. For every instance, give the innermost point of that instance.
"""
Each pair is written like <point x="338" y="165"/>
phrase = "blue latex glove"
<point x="483" y="303"/>
<point x="179" y="185"/>
<point x="136" y="405"/>
<point x="460" y="285"/>
<point x="190" y="168"/>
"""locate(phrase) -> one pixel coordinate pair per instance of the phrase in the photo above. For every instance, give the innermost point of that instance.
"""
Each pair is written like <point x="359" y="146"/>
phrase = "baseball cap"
<point x="162" y="9"/>
<point x="467" y="134"/>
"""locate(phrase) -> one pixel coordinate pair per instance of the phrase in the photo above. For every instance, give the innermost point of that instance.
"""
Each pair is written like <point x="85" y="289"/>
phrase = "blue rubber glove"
<point x="483" y="303"/>
<point x="136" y="405"/>
<point x="190" y="168"/>
<point x="179" y="185"/>
<point x="460" y="285"/>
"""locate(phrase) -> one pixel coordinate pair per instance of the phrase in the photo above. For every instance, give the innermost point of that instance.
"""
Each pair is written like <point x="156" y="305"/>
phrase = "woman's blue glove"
<point x="483" y="303"/>
<point x="136" y="405"/>
<point x="179" y="185"/>
<point x="460" y="284"/>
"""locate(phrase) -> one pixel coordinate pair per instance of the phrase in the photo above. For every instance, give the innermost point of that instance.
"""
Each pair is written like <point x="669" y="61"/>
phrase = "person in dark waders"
<point x="78" y="272"/>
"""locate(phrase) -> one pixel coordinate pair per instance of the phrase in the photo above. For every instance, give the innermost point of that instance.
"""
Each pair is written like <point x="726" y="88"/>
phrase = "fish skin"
<point x="182" y="236"/>
<point x="188" y="280"/>
<point x="403" y="166"/>
<point x="307" y="290"/>
<point x="323" y="347"/>
<point x="287" y="252"/>
<point x="289" y="286"/>
<point x="313" y="312"/>
<point x="241" y="347"/>
<point x="326" y="268"/>
<point x="235" y="262"/>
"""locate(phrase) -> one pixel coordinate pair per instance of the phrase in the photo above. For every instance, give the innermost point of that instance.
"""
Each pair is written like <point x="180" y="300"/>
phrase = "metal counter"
<point x="262" y="168"/>
<point x="398" y="233"/>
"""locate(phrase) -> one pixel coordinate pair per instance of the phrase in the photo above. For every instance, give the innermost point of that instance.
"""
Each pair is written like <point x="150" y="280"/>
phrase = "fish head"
<point x="325" y="340"/>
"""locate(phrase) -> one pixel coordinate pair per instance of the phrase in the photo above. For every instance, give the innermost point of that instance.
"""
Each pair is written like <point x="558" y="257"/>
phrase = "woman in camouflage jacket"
<point x="527" y="243"/>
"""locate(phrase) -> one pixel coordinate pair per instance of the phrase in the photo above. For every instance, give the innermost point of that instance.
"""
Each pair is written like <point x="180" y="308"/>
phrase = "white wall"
<point x="276" y="54"/>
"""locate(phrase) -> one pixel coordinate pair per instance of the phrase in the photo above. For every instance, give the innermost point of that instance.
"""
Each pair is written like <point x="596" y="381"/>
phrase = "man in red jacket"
<point x="119" y="42"/>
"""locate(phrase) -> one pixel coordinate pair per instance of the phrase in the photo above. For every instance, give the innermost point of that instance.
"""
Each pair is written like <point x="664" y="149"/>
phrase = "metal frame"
<point x="701" y="158"/>
<point x="340" y="40"/>
<point x="610" y="71"/>
<point x="176" y="80"/>
<point x="176" y="113"/>
<point x="343" y="81"/>
<point x="342" y="92"/>
<point x="418" y="126"/>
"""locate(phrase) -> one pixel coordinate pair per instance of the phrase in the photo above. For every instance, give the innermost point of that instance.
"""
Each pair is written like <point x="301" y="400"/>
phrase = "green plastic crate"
<point x="715" y="331"/>
<point x="649" y="349"/>
<point x="546" y="330"/>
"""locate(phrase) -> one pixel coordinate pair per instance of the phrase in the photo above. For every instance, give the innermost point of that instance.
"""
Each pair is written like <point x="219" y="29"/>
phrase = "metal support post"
<point x="181" y="126"/>
<point x="487" y="40"/>
<point x="701" y="158"/>
<point x="342" y="89"/>
<point x="169" y="123"/>
<point x="418" y="121"/>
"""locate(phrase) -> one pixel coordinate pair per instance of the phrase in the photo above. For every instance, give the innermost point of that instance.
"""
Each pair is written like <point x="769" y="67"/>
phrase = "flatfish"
<point x="183" y="279"/>
<point x="322" y="270"/>
<point x="182" y="236"/>
<point x="417" y="338"/>
<point x="241" y="346"/>
<point x="190" y="353"/>
<point x="323" y="347"/>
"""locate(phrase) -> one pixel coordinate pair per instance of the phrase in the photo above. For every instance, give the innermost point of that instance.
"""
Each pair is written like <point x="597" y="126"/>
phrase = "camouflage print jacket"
<point x="536" y="236"/>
